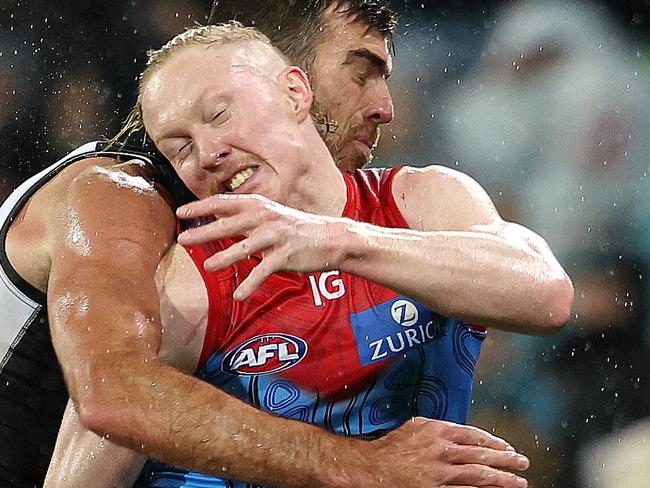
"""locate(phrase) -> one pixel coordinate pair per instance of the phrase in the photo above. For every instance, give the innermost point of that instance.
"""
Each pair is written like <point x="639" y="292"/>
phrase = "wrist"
<point x="346" y="464"/>
<point x="351" y="244"/>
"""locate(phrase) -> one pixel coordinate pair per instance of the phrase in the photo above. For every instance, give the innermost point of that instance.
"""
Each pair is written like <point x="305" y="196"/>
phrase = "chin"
<point x="350" y="156"/>
<point x="356" y="160"/>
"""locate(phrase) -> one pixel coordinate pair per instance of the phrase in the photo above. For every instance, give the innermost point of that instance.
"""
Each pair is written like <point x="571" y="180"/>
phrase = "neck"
<point x="320" y="189"/>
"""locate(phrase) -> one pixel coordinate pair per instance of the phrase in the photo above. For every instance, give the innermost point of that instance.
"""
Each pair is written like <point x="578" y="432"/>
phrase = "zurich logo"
<point x="405" y="313"/>
<point x="265" y="354"/>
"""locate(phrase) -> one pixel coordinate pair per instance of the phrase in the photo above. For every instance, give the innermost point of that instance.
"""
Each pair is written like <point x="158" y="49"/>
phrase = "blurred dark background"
<point x="546" y="104"/>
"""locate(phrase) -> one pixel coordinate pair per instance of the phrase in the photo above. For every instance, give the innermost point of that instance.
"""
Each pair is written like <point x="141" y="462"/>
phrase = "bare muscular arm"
<point x="110" y="235"/>
<point x="461" y="259"/>
<point x="82" y="458"/>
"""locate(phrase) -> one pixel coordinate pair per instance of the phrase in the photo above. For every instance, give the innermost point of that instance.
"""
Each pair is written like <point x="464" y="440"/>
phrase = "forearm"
<point x="81" y="458"/>
<point x="479" y="277"/>
<point x="186" y="422"/>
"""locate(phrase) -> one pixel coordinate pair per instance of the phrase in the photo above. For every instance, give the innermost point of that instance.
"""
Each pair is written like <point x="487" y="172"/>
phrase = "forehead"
<point x="344" y="34"/>
<point x="183" y="80"/>
<point x="215" y="62"/>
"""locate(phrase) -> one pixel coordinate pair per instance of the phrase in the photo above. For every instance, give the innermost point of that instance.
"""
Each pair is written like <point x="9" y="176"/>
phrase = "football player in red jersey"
<point x="216" y="137"/>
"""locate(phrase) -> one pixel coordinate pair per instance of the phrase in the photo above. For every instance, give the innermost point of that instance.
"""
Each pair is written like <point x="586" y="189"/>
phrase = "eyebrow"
<point x="364" y="53"/>
<point x="174" y="132"/>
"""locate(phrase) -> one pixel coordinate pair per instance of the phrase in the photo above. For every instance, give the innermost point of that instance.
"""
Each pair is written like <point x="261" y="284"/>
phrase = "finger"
<point x="239" y="251"/>
<point x="222" y="228"/>
<point x="257" y="277"/>
<point x="479" y="475"/>
<point x="463" y="454"/>
<point x="469" y="435"/>
<point x="217" y="205"/>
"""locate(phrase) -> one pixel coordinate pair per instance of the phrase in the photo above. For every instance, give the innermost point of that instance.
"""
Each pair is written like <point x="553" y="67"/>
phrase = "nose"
<point x="211" y="152"/>
<point x="380" y="106"/>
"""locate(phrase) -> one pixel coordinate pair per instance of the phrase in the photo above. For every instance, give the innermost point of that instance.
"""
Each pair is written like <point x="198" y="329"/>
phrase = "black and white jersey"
<point x="32" y="391"/>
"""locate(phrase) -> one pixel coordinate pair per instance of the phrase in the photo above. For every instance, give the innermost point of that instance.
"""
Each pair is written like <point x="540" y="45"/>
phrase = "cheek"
<point x="335" y="91"/>
<point x="195" y="184"/>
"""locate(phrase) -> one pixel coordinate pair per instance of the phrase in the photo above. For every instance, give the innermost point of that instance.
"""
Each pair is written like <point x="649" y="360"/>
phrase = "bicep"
<point x="102" y="299"/>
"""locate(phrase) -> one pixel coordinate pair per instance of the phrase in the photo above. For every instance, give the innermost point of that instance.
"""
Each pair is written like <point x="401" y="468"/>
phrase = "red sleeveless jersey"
<point x="331" y="348"/>
<point x="330" y="333"/>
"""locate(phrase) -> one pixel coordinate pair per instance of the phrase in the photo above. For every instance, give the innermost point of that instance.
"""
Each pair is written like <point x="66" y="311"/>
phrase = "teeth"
<point x="237" y="180"/>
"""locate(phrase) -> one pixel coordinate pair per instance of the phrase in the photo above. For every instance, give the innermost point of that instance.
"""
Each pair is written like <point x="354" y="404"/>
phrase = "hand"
<point x="288" y="239"/>
<point x="425" y="453"/>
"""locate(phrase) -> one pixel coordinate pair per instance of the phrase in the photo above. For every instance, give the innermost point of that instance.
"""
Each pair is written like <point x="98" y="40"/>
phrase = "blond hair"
<point x="219" y="34"/>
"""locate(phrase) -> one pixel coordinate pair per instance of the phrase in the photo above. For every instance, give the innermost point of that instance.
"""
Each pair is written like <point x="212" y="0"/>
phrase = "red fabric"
<point x="285" y="303"/>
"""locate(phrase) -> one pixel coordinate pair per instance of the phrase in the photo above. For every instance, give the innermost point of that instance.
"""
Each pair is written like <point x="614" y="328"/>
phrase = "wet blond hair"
<point x="219" y="34"/>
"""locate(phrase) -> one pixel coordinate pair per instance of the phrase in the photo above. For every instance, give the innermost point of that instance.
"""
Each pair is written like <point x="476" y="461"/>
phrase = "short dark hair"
<point x="295" y="26"/>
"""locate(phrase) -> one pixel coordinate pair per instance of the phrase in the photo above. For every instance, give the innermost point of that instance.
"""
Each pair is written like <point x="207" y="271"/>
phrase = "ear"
<point x="298" y="90"/>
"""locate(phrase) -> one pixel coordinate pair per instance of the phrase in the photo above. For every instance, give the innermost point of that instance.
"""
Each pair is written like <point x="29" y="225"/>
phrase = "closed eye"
<point x="218" y="115"/>
<point x="183" y="152"/>
<point x="369" y="62"/>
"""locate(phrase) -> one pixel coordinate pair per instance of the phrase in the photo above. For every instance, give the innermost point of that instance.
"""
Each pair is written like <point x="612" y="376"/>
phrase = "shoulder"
<point x="436" y="178"/>
<point x="102" y="201"/>
<point x="111" y="189"/>
<point x="436" y="197"/>
<point x="45" y="217"/>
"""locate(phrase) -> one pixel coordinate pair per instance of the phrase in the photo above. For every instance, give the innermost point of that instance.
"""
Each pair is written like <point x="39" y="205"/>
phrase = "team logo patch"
<point x="404" y="312"/>
<point x="265" y="354"/>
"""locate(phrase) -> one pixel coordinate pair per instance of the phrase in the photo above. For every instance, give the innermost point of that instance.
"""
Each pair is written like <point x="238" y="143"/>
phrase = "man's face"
<point x="224" y="123"/>
<point x="350" y="91"/>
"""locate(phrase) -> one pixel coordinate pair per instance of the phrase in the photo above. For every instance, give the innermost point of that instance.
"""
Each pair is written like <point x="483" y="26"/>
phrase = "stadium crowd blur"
<point x="546" y="104"/>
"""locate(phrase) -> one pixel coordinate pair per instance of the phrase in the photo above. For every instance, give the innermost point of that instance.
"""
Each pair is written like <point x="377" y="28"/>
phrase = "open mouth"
<point x="239" y="178"/>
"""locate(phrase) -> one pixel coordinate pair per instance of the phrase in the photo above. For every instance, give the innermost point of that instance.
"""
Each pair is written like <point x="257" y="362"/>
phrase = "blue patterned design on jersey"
<point x="158" y="475"/>
<point x="432" y="379"/>
<point x="433" y="398"/>
<point x="279" y="395"/>
<point x="301" y="412"/>
<point x="388" y="407"/>
<point x="465" y="352"/>
<point x="402" y="376"/>
<point x="445" y="387"/>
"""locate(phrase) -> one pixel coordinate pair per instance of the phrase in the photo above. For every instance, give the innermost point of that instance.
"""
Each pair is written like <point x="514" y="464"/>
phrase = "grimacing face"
<point x="226" y="125"/>
<point x="348" y="77"/>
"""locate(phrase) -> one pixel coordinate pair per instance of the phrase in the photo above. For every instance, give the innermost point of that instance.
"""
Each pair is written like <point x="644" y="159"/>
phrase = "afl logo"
<point x="404" y="313"/>
<point x="265" y="354"/>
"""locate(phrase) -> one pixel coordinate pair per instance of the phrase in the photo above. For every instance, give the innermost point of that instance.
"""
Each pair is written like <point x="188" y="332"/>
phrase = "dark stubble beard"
<point x="336" y="137"/>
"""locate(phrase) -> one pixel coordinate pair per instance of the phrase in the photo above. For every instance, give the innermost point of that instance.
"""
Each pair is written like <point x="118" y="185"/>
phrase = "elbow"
<point x="557" y="309"/>
<point x="99" y="413"/>
<point x="107" y="396"/>
<point x="91" y="414"/>
<point x="101" y="404"/>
